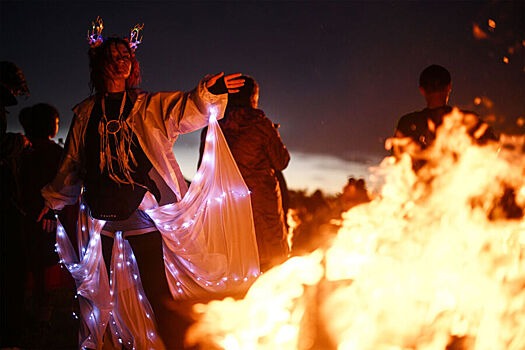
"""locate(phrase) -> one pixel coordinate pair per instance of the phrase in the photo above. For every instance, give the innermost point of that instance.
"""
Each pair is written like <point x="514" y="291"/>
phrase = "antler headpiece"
<point x="95" y="38"/>
<point x="135" y="36"/>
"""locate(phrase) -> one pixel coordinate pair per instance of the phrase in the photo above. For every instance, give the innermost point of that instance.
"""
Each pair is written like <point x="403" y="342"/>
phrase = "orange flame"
<point x="478" y="33"/>
<point x="432" y="262"/>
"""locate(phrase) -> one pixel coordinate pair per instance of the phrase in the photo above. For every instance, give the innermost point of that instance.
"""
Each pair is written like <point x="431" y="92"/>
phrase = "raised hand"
<point x="232" y="81"/>
<point x="48" y="225"/>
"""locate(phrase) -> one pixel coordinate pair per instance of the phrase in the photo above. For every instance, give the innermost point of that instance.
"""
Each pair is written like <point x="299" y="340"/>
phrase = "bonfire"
<point x="435" y="261"/>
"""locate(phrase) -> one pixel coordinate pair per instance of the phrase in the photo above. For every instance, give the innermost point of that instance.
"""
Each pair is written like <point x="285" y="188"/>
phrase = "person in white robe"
<point x="143" y="238"/>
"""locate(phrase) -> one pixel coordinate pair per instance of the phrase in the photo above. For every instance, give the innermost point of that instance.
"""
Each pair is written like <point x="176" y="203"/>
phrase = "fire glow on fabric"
<point x="432" y="263"/>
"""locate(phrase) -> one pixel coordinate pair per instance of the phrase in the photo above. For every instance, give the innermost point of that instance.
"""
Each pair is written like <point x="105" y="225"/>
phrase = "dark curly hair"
<point x="100" y="56"/>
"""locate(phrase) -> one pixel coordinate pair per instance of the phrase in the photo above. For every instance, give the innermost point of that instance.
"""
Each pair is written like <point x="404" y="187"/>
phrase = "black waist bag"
<point x="113" y="205"/>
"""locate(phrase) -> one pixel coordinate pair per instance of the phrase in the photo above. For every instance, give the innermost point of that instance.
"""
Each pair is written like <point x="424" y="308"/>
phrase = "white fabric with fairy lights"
<point x="209" y="247"/>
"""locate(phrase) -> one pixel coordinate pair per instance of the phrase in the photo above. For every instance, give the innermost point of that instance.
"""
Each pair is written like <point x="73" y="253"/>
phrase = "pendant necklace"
<point x="112" y="126"/>
<point x="116" y="137"/>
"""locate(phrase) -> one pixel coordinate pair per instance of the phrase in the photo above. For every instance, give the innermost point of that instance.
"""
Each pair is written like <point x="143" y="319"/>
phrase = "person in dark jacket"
<point x="261" y="155"/>
<point x="420" y="128"/>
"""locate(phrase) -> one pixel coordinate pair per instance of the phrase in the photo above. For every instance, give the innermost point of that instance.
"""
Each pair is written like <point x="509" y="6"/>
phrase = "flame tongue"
<point x="434" y="262"/>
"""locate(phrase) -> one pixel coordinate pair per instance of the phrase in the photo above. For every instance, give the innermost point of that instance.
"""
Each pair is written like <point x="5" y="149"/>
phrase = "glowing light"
<point x="213" y="114"/>
<point x="187" y="224"/>
<point x="491" y="23"/>
<point x="478" y="33"/>
<point x="135" y="39"/>
<point x="198" y="177"/>
<point x="207" y="159"/>
<point x="505" y="59"/>
<point x="95" y="37"/>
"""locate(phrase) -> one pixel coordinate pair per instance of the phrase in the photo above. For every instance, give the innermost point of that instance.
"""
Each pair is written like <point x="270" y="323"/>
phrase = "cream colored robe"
<point x="208" y="236"/>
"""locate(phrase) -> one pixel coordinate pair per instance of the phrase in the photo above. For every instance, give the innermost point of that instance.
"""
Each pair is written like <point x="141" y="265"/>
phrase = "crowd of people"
<point x="117" y="170"/>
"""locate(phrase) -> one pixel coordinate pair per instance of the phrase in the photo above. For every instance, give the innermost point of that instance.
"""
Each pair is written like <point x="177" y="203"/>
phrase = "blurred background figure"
<point x="261" y="156"/>
<point x="12" y="244"/>
<point x="12" y="84"/>
<point x="38" y="165"/>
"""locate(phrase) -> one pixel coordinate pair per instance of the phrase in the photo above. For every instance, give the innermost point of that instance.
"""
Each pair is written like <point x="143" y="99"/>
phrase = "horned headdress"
<point x="95" y="38"/>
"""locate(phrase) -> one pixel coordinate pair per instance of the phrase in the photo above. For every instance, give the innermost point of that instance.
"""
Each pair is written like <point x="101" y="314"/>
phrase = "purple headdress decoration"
<point x="95" y="36"/>
<point x="135" y="37"/>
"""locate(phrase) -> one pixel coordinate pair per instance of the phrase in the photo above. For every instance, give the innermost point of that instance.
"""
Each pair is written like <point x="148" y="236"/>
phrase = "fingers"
<point x="49" y="225"/>
<point x="213" y="79"/>
<point x="44" y="211"/>
<point x="232" y="76"/>
<point x="233" y="82"/>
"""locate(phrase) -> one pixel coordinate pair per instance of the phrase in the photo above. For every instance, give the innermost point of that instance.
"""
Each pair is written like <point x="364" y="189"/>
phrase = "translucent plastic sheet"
<point x="209" y="248"/>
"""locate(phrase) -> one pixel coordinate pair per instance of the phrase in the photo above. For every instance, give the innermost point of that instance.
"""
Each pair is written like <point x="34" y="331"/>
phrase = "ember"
<point x="435" y="261"/>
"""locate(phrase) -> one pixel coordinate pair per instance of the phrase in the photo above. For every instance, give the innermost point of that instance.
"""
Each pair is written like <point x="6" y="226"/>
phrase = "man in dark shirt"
<point x="417" y="130"/>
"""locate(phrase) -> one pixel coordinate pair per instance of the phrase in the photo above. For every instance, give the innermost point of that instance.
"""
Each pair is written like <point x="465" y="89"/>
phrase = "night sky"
<point x="335" y="75"/>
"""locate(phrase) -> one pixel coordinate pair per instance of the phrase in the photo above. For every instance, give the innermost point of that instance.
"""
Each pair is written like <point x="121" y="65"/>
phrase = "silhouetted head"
<point x="39" y="121"/>
<point x="435" y="85"/>
<point x="12" y="83"/>
<point x="105" y="61"/>
<point x="434" y="78"/>
<point x="248" y="95"/>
